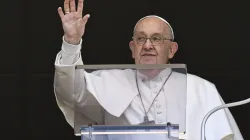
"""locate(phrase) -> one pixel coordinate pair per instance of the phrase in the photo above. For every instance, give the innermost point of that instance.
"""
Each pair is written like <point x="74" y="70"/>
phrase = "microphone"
<point x="203" y="137"/>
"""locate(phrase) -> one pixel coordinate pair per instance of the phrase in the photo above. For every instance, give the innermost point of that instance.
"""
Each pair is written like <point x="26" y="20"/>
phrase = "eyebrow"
<point x="143" y="33"/>
<point x="157" y="34"/>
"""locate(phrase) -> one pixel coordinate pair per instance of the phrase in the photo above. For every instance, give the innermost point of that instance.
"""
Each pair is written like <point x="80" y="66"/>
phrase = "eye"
<point x="156" y="38"/>
<point x="140" y="38"/>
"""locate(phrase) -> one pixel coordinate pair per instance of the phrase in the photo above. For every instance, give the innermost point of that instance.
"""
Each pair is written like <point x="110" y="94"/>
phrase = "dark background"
<point x="213" y="39"/>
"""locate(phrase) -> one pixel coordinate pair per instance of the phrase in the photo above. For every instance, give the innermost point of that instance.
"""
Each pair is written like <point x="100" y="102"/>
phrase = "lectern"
<point x="157" y="110"/>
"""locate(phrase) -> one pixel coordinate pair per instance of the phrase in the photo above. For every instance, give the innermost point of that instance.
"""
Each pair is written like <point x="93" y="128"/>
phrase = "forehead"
<point x="151" y="26"/>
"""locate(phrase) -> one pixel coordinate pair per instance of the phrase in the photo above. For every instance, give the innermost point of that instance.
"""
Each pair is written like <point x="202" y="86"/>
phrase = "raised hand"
<point x="72" y="21"/>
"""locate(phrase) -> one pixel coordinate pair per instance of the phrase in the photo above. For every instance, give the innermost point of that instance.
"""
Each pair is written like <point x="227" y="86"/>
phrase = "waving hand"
<point x="72" y="21"/>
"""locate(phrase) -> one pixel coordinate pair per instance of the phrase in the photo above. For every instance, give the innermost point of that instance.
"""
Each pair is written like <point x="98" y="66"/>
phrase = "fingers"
<point x="80" y="7"/>
<point x="60" y="12"/>
<point x="84" y="20"/>
<point x="72" y="6"/>
<point x="66" y="6"/>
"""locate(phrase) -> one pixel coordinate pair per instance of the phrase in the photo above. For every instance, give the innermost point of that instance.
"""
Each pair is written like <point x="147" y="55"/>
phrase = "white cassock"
<point x="111" y="97"/>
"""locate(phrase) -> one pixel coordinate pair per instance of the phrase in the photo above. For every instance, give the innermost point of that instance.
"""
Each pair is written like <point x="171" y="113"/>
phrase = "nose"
<point x="148" y="44"/>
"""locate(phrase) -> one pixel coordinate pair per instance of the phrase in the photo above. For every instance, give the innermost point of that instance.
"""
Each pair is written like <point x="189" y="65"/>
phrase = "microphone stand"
<point x="203" y="137"/>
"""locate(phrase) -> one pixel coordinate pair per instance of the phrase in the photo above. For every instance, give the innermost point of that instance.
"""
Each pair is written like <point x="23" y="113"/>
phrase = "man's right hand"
<point x="72" y="21"/>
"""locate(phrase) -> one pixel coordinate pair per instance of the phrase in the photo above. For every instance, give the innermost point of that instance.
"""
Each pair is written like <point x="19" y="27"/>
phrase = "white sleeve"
<point x="217" y="126"/>
<point x="69" y="54"/>
<point x="70" y="84"/>
<point x="233" y="124"/>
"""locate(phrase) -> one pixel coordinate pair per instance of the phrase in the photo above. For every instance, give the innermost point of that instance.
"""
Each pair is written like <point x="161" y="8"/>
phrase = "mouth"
<point x="148" y="55"/>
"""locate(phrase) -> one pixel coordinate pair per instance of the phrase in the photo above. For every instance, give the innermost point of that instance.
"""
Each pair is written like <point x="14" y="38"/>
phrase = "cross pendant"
<point x="146" y="121"/>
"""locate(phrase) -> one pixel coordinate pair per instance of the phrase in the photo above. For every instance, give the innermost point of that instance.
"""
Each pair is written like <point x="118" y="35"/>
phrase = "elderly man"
<point x="113" y="94"/>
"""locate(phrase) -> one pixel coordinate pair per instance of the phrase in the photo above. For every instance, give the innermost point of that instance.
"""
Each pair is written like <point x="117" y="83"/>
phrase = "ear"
<point x="172" y="49"/>
<point x="132" y="47"/>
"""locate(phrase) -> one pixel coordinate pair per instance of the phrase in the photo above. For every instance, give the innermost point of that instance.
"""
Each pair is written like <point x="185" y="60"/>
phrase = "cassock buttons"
<point x="158" y="105"/>
<point x="159" y="112"/>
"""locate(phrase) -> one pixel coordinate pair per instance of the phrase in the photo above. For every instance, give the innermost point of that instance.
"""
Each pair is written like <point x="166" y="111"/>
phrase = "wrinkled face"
<point x="151" y="44"/>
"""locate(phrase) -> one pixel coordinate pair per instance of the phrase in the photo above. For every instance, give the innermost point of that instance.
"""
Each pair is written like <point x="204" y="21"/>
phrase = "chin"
<point x="148" y="62"/>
